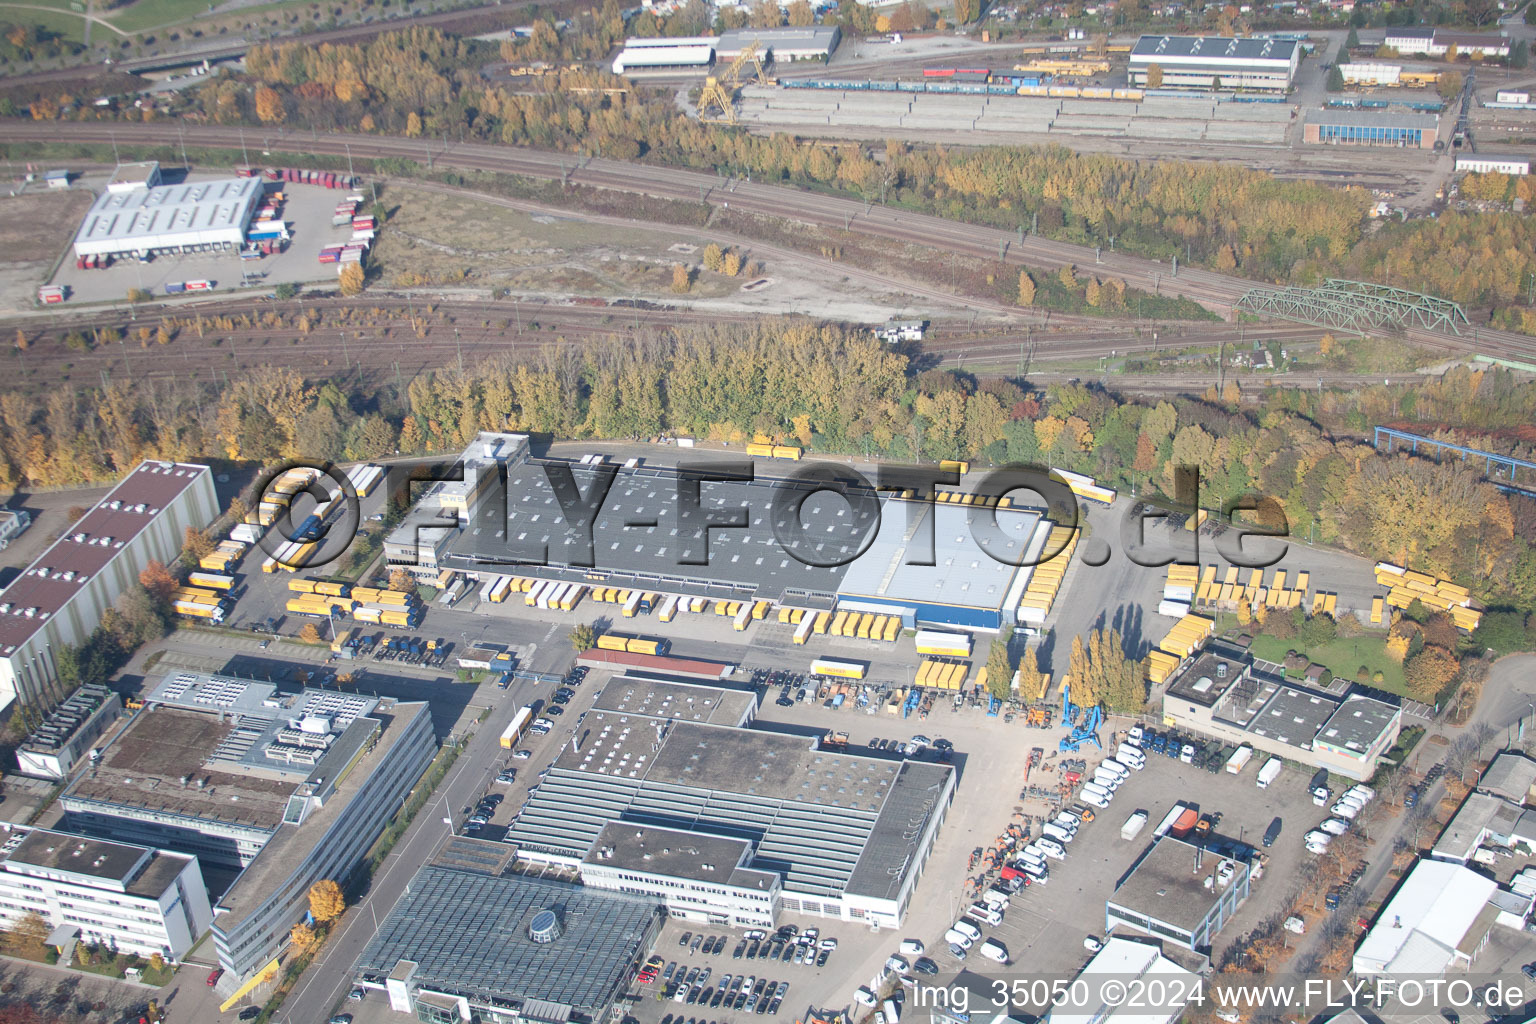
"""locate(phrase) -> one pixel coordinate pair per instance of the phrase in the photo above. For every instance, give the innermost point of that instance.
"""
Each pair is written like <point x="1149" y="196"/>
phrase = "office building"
<point x="700" y="877"/>
<point x="60" y="597"/>
<point x="1437" y="42"/>
<point x="130" y="898"/>
<point x="1179" y="893"/>
<point x="273" y="789"/>
<point x="1338" y="126"/>
<point x="1493" y="163"/>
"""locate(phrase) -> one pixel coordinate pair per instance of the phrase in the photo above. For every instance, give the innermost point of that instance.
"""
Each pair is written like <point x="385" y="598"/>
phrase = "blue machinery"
<point x="1085" y="731"/>
<point x="913" y="700"/>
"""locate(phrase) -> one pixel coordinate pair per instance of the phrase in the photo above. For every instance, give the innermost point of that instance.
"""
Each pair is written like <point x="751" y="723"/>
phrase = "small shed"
<point x="57" y="179"/>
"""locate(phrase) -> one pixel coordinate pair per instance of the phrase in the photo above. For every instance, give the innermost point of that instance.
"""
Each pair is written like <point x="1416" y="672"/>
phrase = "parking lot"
<point x="307" y="212"/>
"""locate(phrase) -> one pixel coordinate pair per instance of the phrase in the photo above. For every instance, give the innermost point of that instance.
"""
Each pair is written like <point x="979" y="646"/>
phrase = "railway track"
<point x="1216" y="291"/>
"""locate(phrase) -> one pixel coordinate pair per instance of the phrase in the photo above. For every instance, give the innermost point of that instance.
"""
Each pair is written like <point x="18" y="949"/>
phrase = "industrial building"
<point x="147" y="220"/>
<point x="641" y="539"/>
<point x="13" y="523"/>
<point x="60" y="597"/>
<point x="703" y="878"/>
<point x="683" y="54"/>
<point x="1337" y="126"/>
<point x="813" y="42"/>
<point x="1494" y="814"/>
<point x="842" y="835"/>
<point x="1437" y="42"/>
<point x="134" y="177"/>
<point x="1121" y="959"/>
<point x="468" y="941"/>
<point x="131" y="898"/>
<point x="274" y="789"/>
<point x="1371" y="74"/>
<point x="1439" y="919"/>
<point x="68" y="732"/>
<point x="1179" y="893"/>
<point x="1222" y="693"/>
<point x="1493" y="163"/>
<point x="1216" y="62"/>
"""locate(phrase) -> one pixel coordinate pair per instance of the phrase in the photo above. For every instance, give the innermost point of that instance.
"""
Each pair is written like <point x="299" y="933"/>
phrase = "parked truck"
<point x="1133" y="826"/>
<point x="1270" y="772"/>
<point x="1239" y="760"/>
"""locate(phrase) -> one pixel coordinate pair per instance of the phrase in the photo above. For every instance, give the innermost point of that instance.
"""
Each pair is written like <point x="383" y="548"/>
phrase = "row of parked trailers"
<point x="95" y="261"/>
<point x="995" y="85"/>
<point x="299" y="176"/>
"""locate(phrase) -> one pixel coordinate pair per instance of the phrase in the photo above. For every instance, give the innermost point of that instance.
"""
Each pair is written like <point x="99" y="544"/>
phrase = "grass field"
<point x="147" y="14"/>
<point x="1343" y="657"/>
<point x="68" y="26"/>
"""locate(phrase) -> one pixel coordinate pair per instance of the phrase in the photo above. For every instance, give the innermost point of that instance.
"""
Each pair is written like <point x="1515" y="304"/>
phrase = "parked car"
<point x="1092" y="944"/>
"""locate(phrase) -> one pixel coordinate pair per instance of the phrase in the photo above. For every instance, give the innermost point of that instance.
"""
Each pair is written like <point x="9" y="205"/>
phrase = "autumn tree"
<point x="21" y="339"/>
<point x="965" y="11"/>
<point x="304" y="938"/>
<point x="351" y="279"/>
<point x="1068" y="277"/>
<point x="583" y="637"/>
<point x="156" y="962"/>
<point x="1030" y="676"/>
<point x="159" y="581"/>
<point x="801" y="15"/>
<point x="402" y="582"/>
<point x="731" y="265"/>
<point x="310" y="634"/>
<point x="1093" y="295"/>
<point x="196" y="544"/>
<point x="1026" y="289"/>
<point x="713" y="257"/>
<point x="680" y="278"/>
<point x="269" y="105"/>
<point x="27" y="937"/>
<point x="326" y="901"/>
<point x="1226" y="259"/>
<point x="1154" y="76"/>
<point x="1428" y="672"/>
<point x="238" y="509"/>
<point x="1000" y="666"/>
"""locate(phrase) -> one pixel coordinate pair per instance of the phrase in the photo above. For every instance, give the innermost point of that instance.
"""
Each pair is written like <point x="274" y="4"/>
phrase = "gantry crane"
<point x="717" y="100"/>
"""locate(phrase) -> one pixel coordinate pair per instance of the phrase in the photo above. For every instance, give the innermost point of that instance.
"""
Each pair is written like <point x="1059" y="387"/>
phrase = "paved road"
<point x="1216" y="291"/>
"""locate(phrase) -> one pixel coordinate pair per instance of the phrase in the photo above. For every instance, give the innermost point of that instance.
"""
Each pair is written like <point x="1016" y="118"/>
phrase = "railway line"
<point x="1215" y="291"/>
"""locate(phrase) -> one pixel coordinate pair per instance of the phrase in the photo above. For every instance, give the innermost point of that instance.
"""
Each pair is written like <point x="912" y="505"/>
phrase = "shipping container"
<point x="514" y="732"/>
<point x="838" y="668"/>
<point x="218" y="581"/>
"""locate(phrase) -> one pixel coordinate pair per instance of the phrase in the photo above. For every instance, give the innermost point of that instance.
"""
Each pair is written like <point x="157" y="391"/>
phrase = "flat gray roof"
<point x="809" y="37"/>
<point x="1203" y="681"/>
<point x="1372" y="118"/>
<point x="637" y="538"/>
<point x="627" y="846"/>
<point x="685" y="702"/>
<point x="1248" y="49"/>
<point x="467" y="932"/>
<point x="813" y="814"/>
<point x="1477" y="812"/>
<point x="157" y="216"/>
<point x="1358" y="723"/>
<point x="1165" y="886"/>
<point x="99" y="858"/>
<point x="962" y="573"/>
<point x="1293" y="716"/>
<point x="1510" y="774"/>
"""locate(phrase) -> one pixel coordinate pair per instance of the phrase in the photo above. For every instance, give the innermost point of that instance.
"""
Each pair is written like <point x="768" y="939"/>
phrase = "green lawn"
<point x="68" y="26"/>
<point x="145" y="14"/>
<point x="1343" y="657"/>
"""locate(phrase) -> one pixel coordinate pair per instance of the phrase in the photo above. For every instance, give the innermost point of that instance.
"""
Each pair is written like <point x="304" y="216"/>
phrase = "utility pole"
<point x="349" y="159"/>
<point x="245" y="157"/>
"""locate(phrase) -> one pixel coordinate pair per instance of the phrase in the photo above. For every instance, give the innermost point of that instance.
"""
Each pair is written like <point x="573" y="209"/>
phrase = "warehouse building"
<point x="468" y="941"/>
<point x="1371" y="74"/>
<point x="1216" y="62"/>
<point x="1180" y="893"/>
<point x="1224" y="694"/>
<point x="1121" y="959"/>
<point x="1438" y="920"/>
<point x="273" y="789"/>
<point x="692" y="54"/>
<point x="813" y="42"/>
<point x="131" y="898"/>
<point x="68" y="732"/>
<point x="1437" y="42"/>
<point x="844" y="836"/>
<point x="149" y="220"/>
<point x="1493" y="163"/>
<point x="60" y="597"/>
<point x="641" y="540"/>
<point x="1342" y="127"/>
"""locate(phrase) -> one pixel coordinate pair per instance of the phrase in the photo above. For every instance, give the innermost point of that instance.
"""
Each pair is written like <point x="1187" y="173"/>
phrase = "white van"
<point x="1068" y="821"/>
<point x="1106" y="778"/>
<point x="999" y="898"/>
<point x="1038" y="874"/>
<point x="912" y="947"/>
<point x="1114" y="765"/>
<point x="891" y="1010"/>
<point x="1051" y="848"/>
<point x="956" y="938"/>
<point x="1094" y="789"/>
<point x="1094" y="799"/>
<point x="994" y="950"/>
<point x="985" y="912"/>
<point x="1057" y="833"/>
<point x="965" y="927"/>
<point x="1131" y="757"/>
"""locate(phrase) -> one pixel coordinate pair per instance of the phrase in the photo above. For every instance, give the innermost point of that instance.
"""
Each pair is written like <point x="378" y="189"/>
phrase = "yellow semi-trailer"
<point x="631" y="603"/>
<point x="520" y="723"/>
<point x="211" y="612"/>
<point x="956" y="645"/>
<point x="319" y="609"/>
<point x="531" y="599"/>
<point x="302" y="586"/>
<point x="197" y="594"/>
<point x="764" y="451"/>
<point x="394" y="598"/>
<point x="572" y="597"/>
<point x="743" y="617"/>
<point x="642" y="645"/>
<point x="331" y="589"/>
<point x="822" y="619"/>
<point x="838" y="668"/>
<point x="669" y="608"/>
<point x="612" y="642"/>
<point x="803" y="631"/>
<point x="786" y="451"/>
<point x="368" y="613"/>
<point x="214" y="580"/>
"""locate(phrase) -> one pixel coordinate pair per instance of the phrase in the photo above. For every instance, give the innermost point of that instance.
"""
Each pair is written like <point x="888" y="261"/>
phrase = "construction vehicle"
<point x="1035" y="757"/>
<point x="1086" y="731"/>
<point x="835" y="741"/>
<point x="717" y="100"/>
